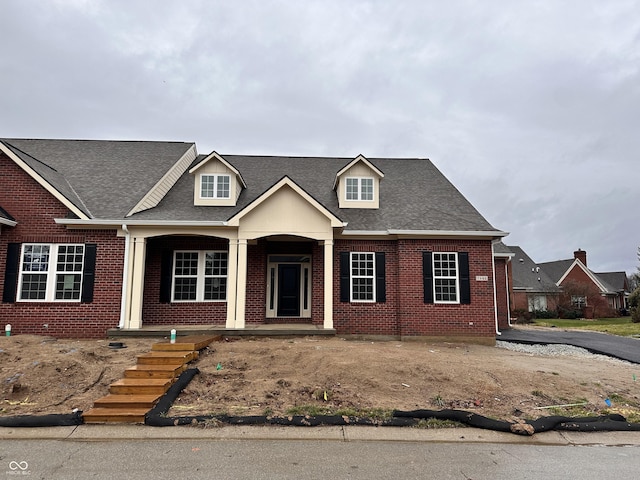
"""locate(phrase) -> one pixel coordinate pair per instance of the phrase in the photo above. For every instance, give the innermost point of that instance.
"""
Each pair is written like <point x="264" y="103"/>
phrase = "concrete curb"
<point x="331" y="433"/>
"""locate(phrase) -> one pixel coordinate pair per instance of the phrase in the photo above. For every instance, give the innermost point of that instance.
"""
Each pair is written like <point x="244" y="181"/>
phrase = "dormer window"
<point x="359" y="188"/>
<point x="216" y="182"/>
<point x="215" y="186"/>
<point x="357" y="185"/>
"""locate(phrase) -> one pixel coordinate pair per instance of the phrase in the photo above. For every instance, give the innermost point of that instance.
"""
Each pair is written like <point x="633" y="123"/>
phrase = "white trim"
<point x="359" y="189"/>
<point x="168" y="180"/>
<point x="216" y="177"/>
<point x="132" y="223"/>
<point x="46" y="185"/>
<point x="457" y="278"/>
<point x="359" y="158"/>
<point x="373" y="278"/>
<point x="224" y="162"/>
<point x="9" y="223"/>
<point x="285" y="181"/>
<point x="200" y="277"/>
<point x="425" y="233"/>
<point x="589" y="273"/>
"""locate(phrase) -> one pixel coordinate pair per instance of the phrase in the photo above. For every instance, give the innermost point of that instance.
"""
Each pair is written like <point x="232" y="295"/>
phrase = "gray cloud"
<point x="532" y="110"/>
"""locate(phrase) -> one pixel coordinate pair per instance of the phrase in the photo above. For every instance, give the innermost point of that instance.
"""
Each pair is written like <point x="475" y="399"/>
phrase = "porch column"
<point x="232" y="279"/>
<point x="137" y="284"/>
<point x="241" y="293"/>
<point x="328" y="284"/>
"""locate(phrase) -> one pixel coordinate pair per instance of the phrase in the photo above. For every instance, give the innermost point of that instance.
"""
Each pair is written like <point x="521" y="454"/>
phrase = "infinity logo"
<point x="18" y="465"/>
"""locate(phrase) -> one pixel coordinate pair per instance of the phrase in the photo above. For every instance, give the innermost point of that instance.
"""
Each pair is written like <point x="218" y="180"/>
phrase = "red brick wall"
<point x="404" y="312"/>
<point x="502" y="297"/>
<point x="34" y="209"/>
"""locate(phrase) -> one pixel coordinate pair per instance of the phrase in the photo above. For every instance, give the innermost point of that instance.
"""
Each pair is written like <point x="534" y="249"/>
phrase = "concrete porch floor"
<point x="250" y="330"/>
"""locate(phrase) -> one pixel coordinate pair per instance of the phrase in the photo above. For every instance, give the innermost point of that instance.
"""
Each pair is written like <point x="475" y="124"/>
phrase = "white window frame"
<point x="579" y="301"/>
<point x="200" y="276"/>
<point x="359" y="189"/>
<point x="537" y="303"/>
<point x="370" y="257"/>
<point x="216" y="184"/>
<point x="438" y="256"/>
<point x="52" y="272"/>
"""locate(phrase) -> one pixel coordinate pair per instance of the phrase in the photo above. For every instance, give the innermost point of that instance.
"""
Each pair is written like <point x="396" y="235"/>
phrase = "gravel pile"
<point x="555" y="350"/>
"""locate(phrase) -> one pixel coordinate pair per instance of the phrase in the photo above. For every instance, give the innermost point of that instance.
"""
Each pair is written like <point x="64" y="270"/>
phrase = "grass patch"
<point x="622" y="326"/>
<point x="316" y="410"/>
<point x="436" y="423"/>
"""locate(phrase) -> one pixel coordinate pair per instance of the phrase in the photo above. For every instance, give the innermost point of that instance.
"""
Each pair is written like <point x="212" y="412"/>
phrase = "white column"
<point x="328" y="284"/>
<point x="241" y="293"/>
<point x="137" y="283"/>
<point x="232" y="280"/>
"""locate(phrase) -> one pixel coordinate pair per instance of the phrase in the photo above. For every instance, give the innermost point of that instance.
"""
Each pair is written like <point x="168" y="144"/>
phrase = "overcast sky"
<point x="532" y="109"/>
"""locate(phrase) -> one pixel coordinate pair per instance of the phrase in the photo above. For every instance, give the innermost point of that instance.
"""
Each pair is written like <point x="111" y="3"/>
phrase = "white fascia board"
<point x="450" y="233"/>
<point x="81" y="223"/>
<point x="588" y="272"/>
<point x="425" y="234"/>
<point x="9" y="223"/>
<point x="359" y="158"/>
<point x="221" y="159"/>
<point x="335" y="221"/>
<point x="43" y="183"/>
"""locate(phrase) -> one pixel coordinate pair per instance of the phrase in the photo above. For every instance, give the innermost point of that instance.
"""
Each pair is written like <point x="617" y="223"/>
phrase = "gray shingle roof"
<point x="103" y="178"/>
<point x="614" y="281"/>
<point x="414" y="195"/>
<point x="556" y="269"/>
<point x="528" y="275"/>
<point x="106" y="179"/>
<point x="5" y="215"/>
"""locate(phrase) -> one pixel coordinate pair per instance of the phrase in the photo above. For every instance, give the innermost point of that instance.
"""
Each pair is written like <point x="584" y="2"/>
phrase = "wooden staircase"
<point x="131" y="398"/>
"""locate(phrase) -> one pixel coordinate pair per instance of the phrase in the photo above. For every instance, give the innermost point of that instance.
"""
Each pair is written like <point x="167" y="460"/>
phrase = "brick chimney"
<point x="581" y="255"/>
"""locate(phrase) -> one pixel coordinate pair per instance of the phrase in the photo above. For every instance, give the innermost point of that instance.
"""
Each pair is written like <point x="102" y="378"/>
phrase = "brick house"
<point x="102" y="234"/>
<point x="531" y="288"/>
<point x="606" y="292"/>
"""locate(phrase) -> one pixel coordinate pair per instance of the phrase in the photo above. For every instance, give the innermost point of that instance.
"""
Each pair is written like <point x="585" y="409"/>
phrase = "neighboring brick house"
<point x="606" y="292"/>
<point x="531" y="288"/>
<point x="102" y="234"/>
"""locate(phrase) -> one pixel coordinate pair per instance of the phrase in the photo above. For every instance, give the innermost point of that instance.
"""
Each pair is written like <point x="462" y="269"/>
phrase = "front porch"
<point x="274" y="330"/>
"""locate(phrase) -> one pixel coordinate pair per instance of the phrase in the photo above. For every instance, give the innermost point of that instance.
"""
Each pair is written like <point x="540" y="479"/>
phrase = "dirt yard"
<point x="255" y="376"/>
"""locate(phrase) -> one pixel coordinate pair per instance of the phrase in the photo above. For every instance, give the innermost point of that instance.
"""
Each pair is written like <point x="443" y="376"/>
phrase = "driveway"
<point x="624" y="348"/>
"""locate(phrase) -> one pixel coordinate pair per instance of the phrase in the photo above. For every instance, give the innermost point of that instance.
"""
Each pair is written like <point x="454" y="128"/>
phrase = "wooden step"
<point x="189" y="342"/>
<point x="154" y="371"/>
<point x="115" y="415"/>
<point x="166" y="358"/>
<point x="127" y="401"/>
<point x="140" y="386"/>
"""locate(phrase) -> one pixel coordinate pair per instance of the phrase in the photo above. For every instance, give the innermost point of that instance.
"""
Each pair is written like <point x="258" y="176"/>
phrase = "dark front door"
<point x="288" y="290"/>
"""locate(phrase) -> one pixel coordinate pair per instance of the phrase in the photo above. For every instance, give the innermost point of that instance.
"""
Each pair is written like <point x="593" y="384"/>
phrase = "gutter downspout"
<point x="125" y="275"/>
<point x="495" y="297"/>
<point x="506" y="276"/>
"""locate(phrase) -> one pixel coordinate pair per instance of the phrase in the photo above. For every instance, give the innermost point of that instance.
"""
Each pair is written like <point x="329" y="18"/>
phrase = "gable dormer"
<point x="358" y="184"/>
<point x="216" y="182"/>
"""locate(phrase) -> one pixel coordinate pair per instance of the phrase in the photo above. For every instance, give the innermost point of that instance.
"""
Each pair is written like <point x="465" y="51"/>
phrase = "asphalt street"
<point x="624" y="348"/>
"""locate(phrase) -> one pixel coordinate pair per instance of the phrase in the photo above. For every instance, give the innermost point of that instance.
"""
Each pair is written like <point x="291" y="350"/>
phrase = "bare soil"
<point x="276" y="376"/>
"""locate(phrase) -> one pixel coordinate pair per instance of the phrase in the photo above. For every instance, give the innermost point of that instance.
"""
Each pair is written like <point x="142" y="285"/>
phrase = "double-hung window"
<point x="199" y="276"/>
<point x="359" y="188"/>
<point x="446" y="277"/>
<point x="215" y="186"/>
<point x="363" y="277"/>
<point x="51" y="272"/>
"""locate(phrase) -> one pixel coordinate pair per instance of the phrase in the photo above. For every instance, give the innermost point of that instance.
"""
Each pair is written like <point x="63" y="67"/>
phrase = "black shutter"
<point x="166" y="272"/>
<point x="465" y="281"/>
<point x="345" y="277"/>
<point x="11" y="273"/>
<point x="427" y="276"/>
<point x="381" y="287"/>
<point x="88" y="272"/>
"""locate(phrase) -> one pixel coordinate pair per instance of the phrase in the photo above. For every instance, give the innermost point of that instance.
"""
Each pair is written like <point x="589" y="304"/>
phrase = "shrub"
<point x="634" y="305"/>
<point x="545" y="314"/>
